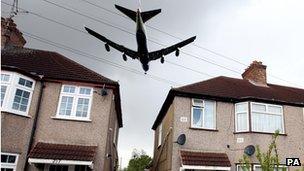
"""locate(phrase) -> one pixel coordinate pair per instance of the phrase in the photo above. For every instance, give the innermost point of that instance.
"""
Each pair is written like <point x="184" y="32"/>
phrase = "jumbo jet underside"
<point x="142" y="53"/>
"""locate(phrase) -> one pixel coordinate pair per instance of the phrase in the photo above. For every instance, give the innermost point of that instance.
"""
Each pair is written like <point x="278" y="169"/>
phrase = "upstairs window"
<point x="75" y="102"/>
<point x="203" y="114"/>
<point x="16" y="92"/>
<point x="8" y="161"/>
<point x="264" y="117"/>
<point x="241" y="117"/>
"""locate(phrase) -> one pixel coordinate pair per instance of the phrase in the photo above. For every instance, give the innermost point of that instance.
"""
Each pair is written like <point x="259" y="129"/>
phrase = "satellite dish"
<point x="249" y="150"/>
<point x="181" y="140"/>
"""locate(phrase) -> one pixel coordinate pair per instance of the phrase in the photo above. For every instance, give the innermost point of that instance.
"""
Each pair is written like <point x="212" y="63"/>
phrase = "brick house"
<point x="222" y="116"/>
<point x="55" y="113"/>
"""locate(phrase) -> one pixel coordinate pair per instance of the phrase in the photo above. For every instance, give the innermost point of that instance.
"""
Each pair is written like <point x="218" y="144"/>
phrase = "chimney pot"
<point x="256" y="73"/>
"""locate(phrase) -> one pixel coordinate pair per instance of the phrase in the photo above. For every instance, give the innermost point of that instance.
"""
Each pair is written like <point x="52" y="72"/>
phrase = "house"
<point x="222" y="116"/>
<point x="55" y="113"/>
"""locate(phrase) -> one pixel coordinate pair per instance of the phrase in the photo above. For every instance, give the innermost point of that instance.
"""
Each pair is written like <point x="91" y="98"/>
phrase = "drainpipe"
<point x="42" y="86"/>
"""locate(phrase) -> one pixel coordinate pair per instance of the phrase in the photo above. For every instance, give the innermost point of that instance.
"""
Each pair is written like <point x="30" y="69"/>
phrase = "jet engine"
<point x="177" y="52"/>
<point x="162" y="60"/>
<point x="107" y="47"/>
<point x="124" y="57"/>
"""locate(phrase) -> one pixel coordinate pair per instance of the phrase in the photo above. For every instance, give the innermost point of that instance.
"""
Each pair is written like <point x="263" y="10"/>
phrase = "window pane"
<point x="66" y="106"/>
<point x="11" y="159"/>
<point x="25" y="82"/>
<point x="259" y="107"/>
<point x="69" y="89"/>
<point x="209" y="117"/>
<point x="21" y="100"/>
<point x="82" y="107"/>
<point x="197" y="102"/>
<point x="242" y="122"/>
<point x="4" y="158"/>
<point x="274" y="109"/>
<point x="5" y="77"/>
<point x="266" y="122"/>
<point x="3" y="91"/>
<point x="241" y="107"/>
<point x="86" y="91"/>
<point x="197" y="119"/>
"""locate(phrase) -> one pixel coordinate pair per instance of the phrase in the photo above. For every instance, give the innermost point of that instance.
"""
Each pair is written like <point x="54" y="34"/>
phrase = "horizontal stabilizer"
<point x="131" y="14"/>
<point x="149" y="14"/>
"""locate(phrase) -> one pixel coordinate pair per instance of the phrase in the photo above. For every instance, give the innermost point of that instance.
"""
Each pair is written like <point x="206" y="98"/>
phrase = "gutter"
<point x="42" y="86"/>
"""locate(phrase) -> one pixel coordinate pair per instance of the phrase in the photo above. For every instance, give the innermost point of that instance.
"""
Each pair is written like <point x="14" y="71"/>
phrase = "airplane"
<point x="142" y="54"/>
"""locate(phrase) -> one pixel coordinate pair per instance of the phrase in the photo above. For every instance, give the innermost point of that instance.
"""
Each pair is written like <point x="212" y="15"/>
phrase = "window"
<point x="241" y="117"/>
<point x="203" y="114"/>
<point x="75" y="102"/>
<point x="240" y="168"/>
<point x="160" y="131"/>
<point x="258" y="168"/>
<point x="16" y="92"/>
<point x="8" y="161"/>
<point x="264" y="117"/>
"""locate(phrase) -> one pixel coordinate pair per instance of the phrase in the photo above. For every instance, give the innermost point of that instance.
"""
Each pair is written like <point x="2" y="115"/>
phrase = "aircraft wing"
<point x="128" y="52"/>
<point x="160" y="53"/>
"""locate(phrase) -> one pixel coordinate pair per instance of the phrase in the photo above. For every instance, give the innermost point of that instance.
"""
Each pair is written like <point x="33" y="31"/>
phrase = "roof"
<point x="51" y="65"/>
<point x="204" y="159"/>
<point x="234" y="90"/>
<point x="63" y="152"/>
<point x="54" y="66"/>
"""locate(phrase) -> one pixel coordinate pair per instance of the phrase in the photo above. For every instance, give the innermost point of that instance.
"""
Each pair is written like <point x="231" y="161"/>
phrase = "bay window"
<point x="75" y="102"/>
<point x="241" y="117"/>
<point x="16" y="92"/>
<point x="203" y="114"/>
<point x="264" y="117"/>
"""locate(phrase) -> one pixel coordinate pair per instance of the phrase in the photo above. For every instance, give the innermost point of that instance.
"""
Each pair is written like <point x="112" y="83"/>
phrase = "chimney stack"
<point x="256" y="73"/>
<point x="10" y="35"/>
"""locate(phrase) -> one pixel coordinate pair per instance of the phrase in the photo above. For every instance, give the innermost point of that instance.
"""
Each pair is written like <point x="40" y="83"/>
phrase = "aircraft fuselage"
<point x="142" y="42"/>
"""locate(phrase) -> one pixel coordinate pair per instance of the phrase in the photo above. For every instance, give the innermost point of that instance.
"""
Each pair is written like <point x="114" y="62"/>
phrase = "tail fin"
<point x="149" y="14"/>
<point x="131" y="14"/>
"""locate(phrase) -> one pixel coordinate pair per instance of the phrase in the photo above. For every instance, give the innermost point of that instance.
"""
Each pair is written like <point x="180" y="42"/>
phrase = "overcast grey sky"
<point x="246" y="30"/>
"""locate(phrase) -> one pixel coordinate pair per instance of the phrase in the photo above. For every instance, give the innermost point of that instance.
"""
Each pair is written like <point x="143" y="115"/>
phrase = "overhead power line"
<point x="87" y="55"/>
<point x="84" y="32"/>
<point x="193" y="44"/>
<point x="129" y="32"/>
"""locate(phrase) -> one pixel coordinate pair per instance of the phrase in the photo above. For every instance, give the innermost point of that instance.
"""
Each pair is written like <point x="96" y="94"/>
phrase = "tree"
<point x="139" y="161"/>
<point x="267" y="160"/>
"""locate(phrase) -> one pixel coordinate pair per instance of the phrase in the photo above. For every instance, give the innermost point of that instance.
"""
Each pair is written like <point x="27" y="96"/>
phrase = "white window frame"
<point x="160" y="136"/>
<point x="267" y="113"/>
<point x="203" y="113"/>
<point x="10" y="165"/>
<point x="280" y="166"/>
<point x="235" y="116"/>
<point x="11" y="89"/>
<point x="76" y="97"/>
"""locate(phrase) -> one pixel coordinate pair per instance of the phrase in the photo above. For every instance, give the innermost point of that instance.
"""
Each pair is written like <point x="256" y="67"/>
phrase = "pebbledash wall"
<point x="289" y="145"/>
<point x="96" y="132"/>
<point x="16" y="129"/>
